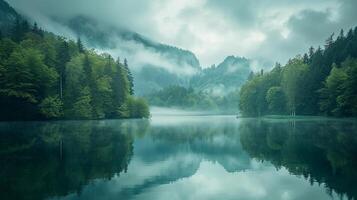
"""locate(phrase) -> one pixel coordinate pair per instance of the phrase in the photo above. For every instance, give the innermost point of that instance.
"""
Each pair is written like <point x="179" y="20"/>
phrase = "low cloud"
<point x="261" y="30"/>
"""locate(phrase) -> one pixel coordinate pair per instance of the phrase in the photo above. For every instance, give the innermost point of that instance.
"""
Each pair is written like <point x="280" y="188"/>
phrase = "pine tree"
<point x="35" y="28"/>
<point x="329" y="41"/>
<point x="80" y="45"/>
<point x="306" y="58"/>
<point x="16" y="32"/>
<point x="342" y="34"/>
<point x="63" y="57"/>
<point x="130" y="77"/>
<point x="311" y="52"/>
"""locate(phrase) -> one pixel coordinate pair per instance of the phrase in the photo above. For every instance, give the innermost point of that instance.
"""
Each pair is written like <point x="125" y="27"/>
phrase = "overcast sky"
<point x="259" y="29"/>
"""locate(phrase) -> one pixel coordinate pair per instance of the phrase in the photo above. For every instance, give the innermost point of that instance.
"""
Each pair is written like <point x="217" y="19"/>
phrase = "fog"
<point x="267" y="31"/>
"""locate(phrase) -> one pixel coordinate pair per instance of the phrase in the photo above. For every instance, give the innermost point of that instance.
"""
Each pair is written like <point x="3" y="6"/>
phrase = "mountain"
<point x="8" y="17"/>
<point x="224" y="78"/>
<point x="154" y="65"/>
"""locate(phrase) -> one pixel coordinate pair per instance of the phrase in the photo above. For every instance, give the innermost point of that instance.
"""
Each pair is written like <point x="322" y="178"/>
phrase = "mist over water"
<point x="178" y="100"/>
<point x="168" y="111"/>
<point x="180" y="157"/>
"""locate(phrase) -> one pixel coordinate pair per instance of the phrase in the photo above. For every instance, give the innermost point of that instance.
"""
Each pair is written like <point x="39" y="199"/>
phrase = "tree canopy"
<point x="44" y="76"/>
<point x="321" y="82"/>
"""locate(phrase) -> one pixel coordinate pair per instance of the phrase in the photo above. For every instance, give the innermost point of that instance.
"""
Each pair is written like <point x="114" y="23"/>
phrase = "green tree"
<point x="51" y="107"/>
<point x="80" y="45"/>
<point x="339" y="94"/>
<point x="130" y="77"/>
<point x="276" y="100"/>
<point x="63" y="57"/>
<point x="82" y="106"/>
<point x="293" y="84"/>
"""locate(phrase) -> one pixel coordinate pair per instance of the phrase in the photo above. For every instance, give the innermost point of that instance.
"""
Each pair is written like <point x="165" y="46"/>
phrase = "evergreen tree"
<point x="311" y="52"/>
<point x="121" y="87"/>
<point x="16" y="33"/>
<point x="130" y="77"/>
<point x="80" y="45"/>
<point x="35" y="29"/>
<point x="63" y="57"/>
<point x="53" y="78"/>
<point x="324" y="80"/>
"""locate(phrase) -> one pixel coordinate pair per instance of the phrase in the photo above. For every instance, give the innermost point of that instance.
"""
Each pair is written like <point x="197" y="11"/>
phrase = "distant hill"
<point x="224" y="78"/>
<point x="7" y="17"/>
<point x="154" y="65"/>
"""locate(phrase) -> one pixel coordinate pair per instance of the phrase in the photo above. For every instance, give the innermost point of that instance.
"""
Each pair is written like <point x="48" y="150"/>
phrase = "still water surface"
<point x="168" y="157"/>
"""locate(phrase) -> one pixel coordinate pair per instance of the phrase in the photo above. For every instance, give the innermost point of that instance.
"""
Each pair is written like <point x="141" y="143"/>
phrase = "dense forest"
<point x="44" y="76"/>
<point x="321" y="82"/>
<point x="189" y="98"/>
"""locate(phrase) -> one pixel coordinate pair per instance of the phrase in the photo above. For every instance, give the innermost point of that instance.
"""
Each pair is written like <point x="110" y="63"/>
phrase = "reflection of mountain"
<point x="171" y="153"/>
<point x="213" y="143"/>
<point x="170" y="170"/>
<point x="322" y="152"/>
<point x="34" y="164"/>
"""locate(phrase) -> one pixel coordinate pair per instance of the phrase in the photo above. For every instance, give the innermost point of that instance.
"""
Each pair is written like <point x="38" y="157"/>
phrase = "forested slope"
<point x="321" y="82"/>
<point x="44" y="76"/>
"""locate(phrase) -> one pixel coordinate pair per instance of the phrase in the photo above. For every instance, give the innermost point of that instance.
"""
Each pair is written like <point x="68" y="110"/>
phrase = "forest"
<point x="44" y="76"/>
<point x="189" y="98"/>
<point x="321" y="82"/>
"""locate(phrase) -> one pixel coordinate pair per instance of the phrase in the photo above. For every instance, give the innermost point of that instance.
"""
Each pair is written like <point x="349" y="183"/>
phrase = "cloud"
<point x="141" y="56"/>
<point x="262" y="30"/>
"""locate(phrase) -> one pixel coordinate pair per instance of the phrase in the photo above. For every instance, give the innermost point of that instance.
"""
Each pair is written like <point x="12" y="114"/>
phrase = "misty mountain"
<point x="154" y="65"/>
<point x="7" y="17"/>
<point x="215" y="89"/>
<point x="224" y="78"/>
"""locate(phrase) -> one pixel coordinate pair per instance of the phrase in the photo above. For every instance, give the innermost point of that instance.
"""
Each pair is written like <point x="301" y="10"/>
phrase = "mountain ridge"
<point x="154" y="65"/>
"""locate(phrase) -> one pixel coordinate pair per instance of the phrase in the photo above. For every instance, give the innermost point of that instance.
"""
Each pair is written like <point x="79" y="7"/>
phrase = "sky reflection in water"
<point x="204" y="157"/>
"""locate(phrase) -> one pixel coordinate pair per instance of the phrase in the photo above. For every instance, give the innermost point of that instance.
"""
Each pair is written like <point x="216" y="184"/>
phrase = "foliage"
<point x="320" y="82"/>
<point x="188" y="98"/>
<point x="51" y="107"/>
<point x="339" y="94"/>
<point x="276" y="100"/>
<point x="43" y="76"/>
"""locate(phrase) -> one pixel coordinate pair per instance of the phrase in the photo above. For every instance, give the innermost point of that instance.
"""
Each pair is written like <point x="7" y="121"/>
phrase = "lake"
<point x="179" y="157"/>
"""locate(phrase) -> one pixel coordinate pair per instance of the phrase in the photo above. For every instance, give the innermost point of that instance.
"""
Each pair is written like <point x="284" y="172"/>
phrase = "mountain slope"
<point x="7" y="17"/>
<point x="224" y="78"/>
<point x="154" y="65"/>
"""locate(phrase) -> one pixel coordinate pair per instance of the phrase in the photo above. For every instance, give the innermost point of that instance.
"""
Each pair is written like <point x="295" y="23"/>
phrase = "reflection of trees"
<point x="41" y="160"/>
<point x="322" y="152"/>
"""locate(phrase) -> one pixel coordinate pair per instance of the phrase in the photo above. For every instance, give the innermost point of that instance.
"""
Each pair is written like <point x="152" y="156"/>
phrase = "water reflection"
<point x="41" y="160"/>
<point x="323" y="151"/>
<point x="179" y="158"/>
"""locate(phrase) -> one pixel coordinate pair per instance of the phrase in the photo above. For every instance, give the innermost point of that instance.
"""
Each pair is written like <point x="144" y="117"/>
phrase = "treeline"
<point x="188" y="98"/>
<point x="44" y="76"/>
<point x="321" y="82"/>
